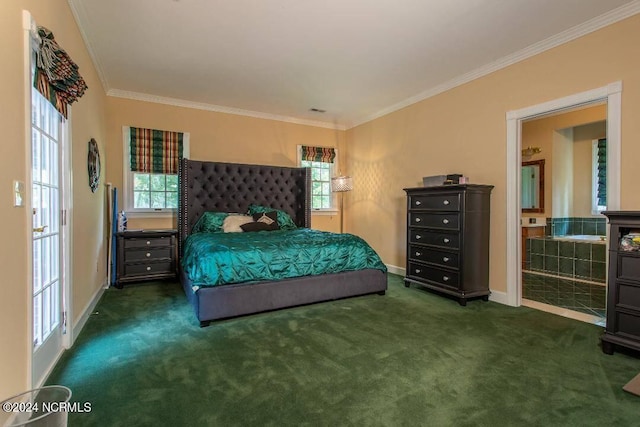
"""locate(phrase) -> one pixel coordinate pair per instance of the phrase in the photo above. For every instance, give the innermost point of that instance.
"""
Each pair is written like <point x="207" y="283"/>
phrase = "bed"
<point x="230" y="187"/>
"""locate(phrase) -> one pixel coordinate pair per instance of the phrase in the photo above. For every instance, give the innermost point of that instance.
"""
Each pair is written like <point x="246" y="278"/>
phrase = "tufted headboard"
<point x="232" y="187"/>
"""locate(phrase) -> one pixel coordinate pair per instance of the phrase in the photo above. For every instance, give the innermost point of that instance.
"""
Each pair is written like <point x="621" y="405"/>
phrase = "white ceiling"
<point x="356" y="59"/>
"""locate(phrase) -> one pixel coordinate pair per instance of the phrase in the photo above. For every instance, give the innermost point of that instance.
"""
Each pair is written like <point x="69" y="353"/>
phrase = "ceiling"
<point x="356" y="59"/>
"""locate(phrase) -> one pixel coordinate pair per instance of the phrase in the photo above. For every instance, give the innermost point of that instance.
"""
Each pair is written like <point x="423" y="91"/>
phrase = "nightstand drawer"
<point x="628" y="296"/>
<point x="441" y="202"/>
<point x="153" y="253"/>
<point x="148" y="268"/>
<point x="433" y="274"/>
<point x="143" y="242"/>
<point x="629" y="267"/>
<point x="446" y="259"/>
<point x="445" y="221"/>
<point x="434" y="238"/>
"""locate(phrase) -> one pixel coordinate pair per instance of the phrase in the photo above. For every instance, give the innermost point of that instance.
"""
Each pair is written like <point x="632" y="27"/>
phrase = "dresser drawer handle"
<point x="148" y="268"/>
<point x="445" y="202"/>
<point x="418" y="219"/>
<point x="148" y="242"/>
<point x="418" y="253"/>
<point x="445" y="221"/>
<point x="445" y="240"/>
<point x="148" y="254"/>
<point x="445" y="259"/>
<point x="418" y="271"/>
<point x="418" y="203"/>
<point x="445" y="278"/>
<point x="418" y="237"/>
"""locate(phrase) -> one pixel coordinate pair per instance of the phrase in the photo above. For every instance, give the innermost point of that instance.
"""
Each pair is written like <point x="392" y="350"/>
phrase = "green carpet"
<point x="410" y="358"/>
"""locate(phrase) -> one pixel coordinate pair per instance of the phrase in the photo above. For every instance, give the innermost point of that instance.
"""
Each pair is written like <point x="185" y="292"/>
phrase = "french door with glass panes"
<point x="47" y="140"/>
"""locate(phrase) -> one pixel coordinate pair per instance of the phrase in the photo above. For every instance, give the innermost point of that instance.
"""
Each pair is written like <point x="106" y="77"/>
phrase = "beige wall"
<point x="463" y="130"/>
<point x="88" y="121"/>
<point x="541" y="133"/>
<point x="217" y="137"/>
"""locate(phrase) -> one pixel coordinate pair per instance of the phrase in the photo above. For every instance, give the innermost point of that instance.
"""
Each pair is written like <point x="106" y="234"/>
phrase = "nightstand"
<point x="145" y="255"/>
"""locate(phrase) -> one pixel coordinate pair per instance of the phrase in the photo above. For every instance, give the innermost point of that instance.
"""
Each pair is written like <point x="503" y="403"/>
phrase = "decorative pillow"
<point x="257" y="226"/>
<point x="232" y="223"/>
<point x="270" y="219"/>
<point x="284" y="220"/>
<point x="210" y="222"/>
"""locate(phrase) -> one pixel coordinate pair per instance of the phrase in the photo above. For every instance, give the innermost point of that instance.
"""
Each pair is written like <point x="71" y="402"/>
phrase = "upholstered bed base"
<point x="220" y="302"/>
<point x="230" y="187"/>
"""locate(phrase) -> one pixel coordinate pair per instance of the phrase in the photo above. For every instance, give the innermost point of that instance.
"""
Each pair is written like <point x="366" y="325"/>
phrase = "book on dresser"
<point x="448" y="239"/>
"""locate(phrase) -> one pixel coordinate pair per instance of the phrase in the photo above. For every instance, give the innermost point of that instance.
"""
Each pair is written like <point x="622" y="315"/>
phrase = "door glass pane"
<point x="36" y="156"/>
<point x="46" y="311"/>
<point x="54" y="163"/>
<point x="37" y="319"/>
<point x="54" y="217"/>
<point x="45" y="260"/>
<point x="45" y="160"/>
<point x="37" y="272"/>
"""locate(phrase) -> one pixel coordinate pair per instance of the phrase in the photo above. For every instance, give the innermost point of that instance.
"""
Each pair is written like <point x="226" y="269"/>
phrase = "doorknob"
<point x="39" y="229"/>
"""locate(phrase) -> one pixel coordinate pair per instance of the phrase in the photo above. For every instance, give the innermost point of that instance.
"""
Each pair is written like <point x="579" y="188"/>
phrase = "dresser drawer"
<point x="442" y="277"/>
<point x="445" y="221"/>
<point x="439" y="202"/>
<point x="448" y="259"/>
<point x="142" y="242"/>
<point x="434" y="238"/>
<point x="146" y="269"/>
<point x="629" y="267"/>
<point x="152" y="253"/>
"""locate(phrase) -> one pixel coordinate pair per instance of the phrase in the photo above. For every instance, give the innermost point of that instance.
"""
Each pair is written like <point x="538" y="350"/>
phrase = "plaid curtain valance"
<point x="602" y="172"/>
<point x="155" y="151"/>
<point x="56" y="75"/>
<point x="318" y="154"/>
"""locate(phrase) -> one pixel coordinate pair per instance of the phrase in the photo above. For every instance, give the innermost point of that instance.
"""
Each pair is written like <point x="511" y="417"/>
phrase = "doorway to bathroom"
<point x="563" y="275"/>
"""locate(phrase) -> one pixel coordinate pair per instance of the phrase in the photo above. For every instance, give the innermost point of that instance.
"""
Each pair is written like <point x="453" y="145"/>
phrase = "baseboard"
<point x="394" y="269"/>
<point x="499" y="297"/>
<point x="88" y="309"/>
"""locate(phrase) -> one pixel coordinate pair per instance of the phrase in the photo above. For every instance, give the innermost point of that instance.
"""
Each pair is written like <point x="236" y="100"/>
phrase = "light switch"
<point x="18" y="193"/>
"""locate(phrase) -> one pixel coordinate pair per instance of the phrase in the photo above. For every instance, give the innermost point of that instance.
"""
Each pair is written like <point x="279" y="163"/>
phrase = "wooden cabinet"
<point x="529" y="231"/>
<point x="623" y="285"/>
<point x="448" y="239"/>
<point x="145" y="255"/>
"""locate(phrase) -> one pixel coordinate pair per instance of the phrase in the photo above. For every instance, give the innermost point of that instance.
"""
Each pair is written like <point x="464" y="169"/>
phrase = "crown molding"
<point x="117" y="93"/>
<point x="573" y="33"/>
<point x="79" y="16"/>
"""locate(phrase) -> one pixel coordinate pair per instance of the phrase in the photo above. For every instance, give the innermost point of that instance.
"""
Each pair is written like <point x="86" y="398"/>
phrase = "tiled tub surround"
<point x="569" y="226"/>
<point x="566" y="273"/>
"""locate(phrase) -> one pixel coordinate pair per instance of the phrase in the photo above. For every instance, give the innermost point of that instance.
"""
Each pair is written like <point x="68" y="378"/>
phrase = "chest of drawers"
<point x="623" y="285"/>
<point x="448" y="239"/>
<point x="145" y="255"/>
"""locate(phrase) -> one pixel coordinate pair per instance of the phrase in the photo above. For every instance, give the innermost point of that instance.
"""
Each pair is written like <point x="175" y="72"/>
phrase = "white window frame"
<point x="127" y="180"/>
<point x="595" y="208"/>
<point x="333" y="172"/>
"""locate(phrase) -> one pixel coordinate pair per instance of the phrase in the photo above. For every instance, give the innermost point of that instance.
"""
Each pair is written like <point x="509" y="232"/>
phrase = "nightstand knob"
<point x="446" y="202"/>
<point x="148" y="242"/>
<point x="418" y="219"/>
<point x="418" y="253"/>
<point x="418" y="203"/>
<point x="445" y="221"/>
<point x="148" y="268"/>
<point x="445" y="259"/>
<point x="445" y="240"/>
<point x="148" y="254"/>
<point x="445" y="278"/>
<point x="418" y="270"/>
<point x="418" y="237"/>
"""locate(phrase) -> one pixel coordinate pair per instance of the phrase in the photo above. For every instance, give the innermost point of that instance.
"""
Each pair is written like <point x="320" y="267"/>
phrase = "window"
<point x="323" y="164"/>
<point x="150" y="169"/>
<point x="599" y="174"/>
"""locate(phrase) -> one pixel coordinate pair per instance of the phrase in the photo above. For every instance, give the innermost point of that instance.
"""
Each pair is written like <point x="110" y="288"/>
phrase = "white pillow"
<point x="232" y="223"/>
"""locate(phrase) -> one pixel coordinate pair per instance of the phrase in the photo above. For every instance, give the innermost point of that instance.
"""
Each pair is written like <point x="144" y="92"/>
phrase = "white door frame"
<point x="30" y="27"/>
<point x="612" y="95"/>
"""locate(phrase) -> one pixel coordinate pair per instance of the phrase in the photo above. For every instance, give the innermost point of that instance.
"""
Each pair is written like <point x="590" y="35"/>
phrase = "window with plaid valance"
<point x="155" y="151"/>
<point x="318" y="154"/>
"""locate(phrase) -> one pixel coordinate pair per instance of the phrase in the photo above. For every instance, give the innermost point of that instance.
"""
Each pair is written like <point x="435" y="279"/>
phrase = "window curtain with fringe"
<point x="318" y="154"/>
<point x="155" y="151"/>
<point x="602" y="172"/>
<point x="56" y="75"/>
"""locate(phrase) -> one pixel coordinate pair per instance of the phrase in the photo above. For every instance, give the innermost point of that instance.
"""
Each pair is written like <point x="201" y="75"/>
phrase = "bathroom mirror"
<point x="533" y="186"/>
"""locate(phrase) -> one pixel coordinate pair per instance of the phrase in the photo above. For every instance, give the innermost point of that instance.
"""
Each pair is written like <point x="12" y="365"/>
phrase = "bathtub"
<point x="587" y="238"/>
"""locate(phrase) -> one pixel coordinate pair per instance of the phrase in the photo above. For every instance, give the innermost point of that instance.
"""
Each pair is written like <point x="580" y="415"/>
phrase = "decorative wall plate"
<point x="93" y="163"/>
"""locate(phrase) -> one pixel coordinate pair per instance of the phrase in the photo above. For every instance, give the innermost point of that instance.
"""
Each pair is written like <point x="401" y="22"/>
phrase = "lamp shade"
<point x="340" y="184"/>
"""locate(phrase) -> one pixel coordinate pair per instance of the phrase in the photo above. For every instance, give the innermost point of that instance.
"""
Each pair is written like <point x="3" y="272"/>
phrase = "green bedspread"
<point x="218" y="258"/>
